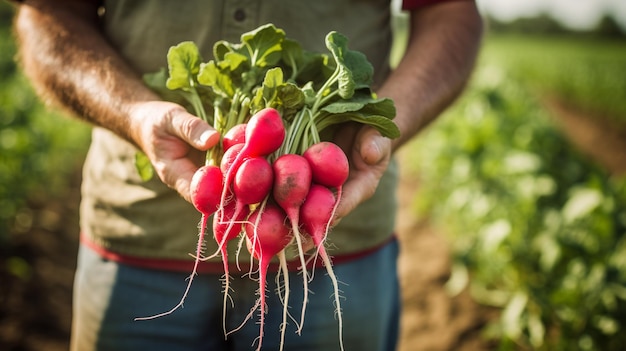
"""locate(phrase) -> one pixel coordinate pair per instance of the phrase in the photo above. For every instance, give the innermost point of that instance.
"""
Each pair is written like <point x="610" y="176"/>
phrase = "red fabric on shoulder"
<point x="409" y="5"/>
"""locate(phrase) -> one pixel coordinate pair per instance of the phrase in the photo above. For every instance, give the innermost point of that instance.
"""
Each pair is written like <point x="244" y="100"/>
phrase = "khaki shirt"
<point x="147" y="219"/>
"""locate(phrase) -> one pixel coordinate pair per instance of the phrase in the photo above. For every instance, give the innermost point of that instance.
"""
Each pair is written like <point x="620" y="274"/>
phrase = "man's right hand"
<point x="173" y="140"/>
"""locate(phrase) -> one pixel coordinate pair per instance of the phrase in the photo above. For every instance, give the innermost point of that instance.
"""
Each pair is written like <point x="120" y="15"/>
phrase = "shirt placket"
<point x="240" y="16"/>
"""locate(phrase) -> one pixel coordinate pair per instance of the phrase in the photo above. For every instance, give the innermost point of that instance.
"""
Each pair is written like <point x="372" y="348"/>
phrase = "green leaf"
<point x="293" y="56"/>
<point x="362" y="70"/>
<point x="273" y="78"/>
<point x="536" y="329"/>
<point x="364" y="104"/>
<point x="315" y="69"/>
<point x="184" y="64"/>
<point x="157" y="81"/>
<point x="384" y="125"/>
<point x="511" y="315"/>
<point x="233" y="61"/>
<point x="291" y="96"/>
<point x="582" y="202"/>
<point x="267" y="94"/>
<point x="494" y="233"/>
<point x="354" y="70"/>
<point x="309" y="94"/>
<point x="337" y="45"/>
<point x="143" y="166"/>
<point x="222" y="47"/>
<point x="219" y="80"/>
<point x="263" y="45"/>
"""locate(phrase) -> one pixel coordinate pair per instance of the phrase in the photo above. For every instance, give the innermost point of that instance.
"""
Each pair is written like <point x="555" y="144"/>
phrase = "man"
<point x="89" y="57"/>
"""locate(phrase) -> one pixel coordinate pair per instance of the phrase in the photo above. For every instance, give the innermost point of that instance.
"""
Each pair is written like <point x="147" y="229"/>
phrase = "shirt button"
<point x="239" y="15"/>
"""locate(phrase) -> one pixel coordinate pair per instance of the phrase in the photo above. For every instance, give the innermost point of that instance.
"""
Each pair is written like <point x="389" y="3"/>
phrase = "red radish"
<point x="329" y="164"/>
<point x="229" y="157"/>
<point x="329" y="167"/>
<point x="264" y="134"/>
<point x="228" y="230"/>
<point x="235" y="135"/>
<point x="253" y="180"/>
<point x="205" y="188"/>
<point x="292" y="179"/>
<point x="252" y="184"/>
<point x="316" y="214"/>
<point x="267" y="234"/>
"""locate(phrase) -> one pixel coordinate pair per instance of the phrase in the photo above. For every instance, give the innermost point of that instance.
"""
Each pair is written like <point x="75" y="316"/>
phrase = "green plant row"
<point x="39" y="149"/>
<point x="536" y="228"/>
<point x="587" y="72"/>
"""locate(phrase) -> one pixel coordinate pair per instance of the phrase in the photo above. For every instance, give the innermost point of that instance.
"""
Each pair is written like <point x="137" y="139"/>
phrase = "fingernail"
<point x="378" y="148"/>
<point x="205" y="136"/>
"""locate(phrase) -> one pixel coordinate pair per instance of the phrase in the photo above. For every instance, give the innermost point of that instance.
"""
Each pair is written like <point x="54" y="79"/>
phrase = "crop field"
<point x="532" y="212"/>
<point x="587" y="72"/>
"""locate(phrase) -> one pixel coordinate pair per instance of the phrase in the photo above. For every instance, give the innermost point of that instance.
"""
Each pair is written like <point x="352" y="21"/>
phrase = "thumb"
<point x="193" y="130"/>
<point x="372" y="146"/>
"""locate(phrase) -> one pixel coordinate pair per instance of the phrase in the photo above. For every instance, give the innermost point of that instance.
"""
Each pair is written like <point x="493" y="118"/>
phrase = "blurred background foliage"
<point x="536" y="226"/>
<point x="40" y="149"/>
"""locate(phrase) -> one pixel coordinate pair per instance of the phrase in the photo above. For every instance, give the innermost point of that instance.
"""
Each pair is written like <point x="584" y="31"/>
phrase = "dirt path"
<point x="594" y="136"/>
<point x="432" y="319"/>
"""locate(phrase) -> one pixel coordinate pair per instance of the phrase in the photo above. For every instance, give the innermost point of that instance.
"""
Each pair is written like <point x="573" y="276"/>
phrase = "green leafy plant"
<point x="313" y="91"/>
<point x="536" y="228"/>
<point x="584" y="71"/>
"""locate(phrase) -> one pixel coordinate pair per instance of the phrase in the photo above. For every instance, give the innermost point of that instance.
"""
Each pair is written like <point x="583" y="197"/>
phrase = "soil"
<point x="35" y="308"/>
<point x="599" y="138"/>
<point x="35" y="305"/>
<point x="432" y="319"/>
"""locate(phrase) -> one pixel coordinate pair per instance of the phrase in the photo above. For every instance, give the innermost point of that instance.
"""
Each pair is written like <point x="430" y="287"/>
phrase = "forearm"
<point x="443" y="44"/>
<point x="68" y="60"/>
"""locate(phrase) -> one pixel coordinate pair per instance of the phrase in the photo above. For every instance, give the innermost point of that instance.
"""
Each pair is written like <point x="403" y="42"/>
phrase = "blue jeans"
<point x="108" y="296"/>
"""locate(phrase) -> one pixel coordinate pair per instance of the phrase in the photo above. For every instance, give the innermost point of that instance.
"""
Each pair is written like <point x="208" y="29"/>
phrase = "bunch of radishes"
<point x="272" y="183"/>
<point x="270" y="200"/>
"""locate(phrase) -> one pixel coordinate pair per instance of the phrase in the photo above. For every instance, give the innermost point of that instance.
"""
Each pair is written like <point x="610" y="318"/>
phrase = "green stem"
<point x="214" y="155"/>
<point x="313" y="133"/>
<point x="289" y="135"/>
<point x="294" y="72"/>
<point x="244" y="110"/>
<point x="233" y="112"/>
<point x="196" y="102"/>
<point x="319" y="98"/>
<point x="301" y="135"/>
<point x="325" y="99"/>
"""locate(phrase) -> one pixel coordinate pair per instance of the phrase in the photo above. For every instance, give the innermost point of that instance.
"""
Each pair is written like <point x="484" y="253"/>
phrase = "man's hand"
<point x="173" y="140"/>
<point x="369" y="154"/>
